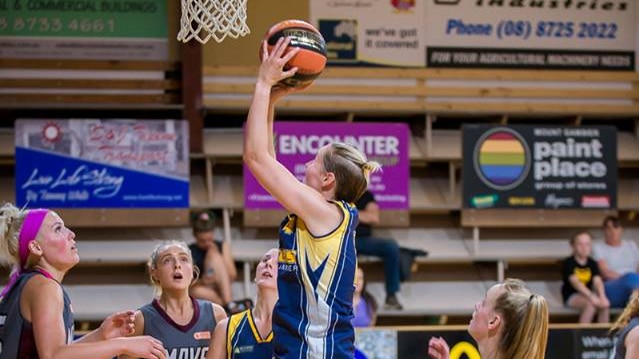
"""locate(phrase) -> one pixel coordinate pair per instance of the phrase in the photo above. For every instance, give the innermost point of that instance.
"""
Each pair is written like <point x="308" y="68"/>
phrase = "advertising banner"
<point x="296" y="143"/>
<point x="563" y="343"/>
<point x="540" y="34"/>
<point x="94" y="163"/>
<point x="371" y="32"/>
<point x="550" y="34"/>
<point x="84" y="29"/>
<point x="539" y="167"/>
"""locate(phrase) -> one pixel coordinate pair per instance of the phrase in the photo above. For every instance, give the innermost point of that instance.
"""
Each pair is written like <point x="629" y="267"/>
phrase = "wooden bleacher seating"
<point x="69" y="84"/>
<point x="440" y="91"/>
<point x="7" y="147"/>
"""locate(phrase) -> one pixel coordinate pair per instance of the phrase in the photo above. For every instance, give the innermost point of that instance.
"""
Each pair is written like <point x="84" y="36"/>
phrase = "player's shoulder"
<point x="43" y="287"/>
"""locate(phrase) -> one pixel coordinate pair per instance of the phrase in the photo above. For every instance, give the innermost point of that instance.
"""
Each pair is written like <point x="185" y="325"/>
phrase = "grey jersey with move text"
<point x="620" y="347"/>
<point x="190" y="341"/>
<point x="16" y="334"/>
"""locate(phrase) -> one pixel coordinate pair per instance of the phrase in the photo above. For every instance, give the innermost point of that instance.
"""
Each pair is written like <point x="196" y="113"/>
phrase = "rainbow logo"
<point x="502" y="158"/>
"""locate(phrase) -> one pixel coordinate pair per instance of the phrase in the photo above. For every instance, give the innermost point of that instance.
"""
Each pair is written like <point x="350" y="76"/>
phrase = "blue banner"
<point x="102" y="164"/>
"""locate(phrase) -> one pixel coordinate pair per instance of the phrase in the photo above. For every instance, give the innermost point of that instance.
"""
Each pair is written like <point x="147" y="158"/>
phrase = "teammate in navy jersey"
<point x="182" y="323"/>
<point x="36" y="319"/>
<point x="317" y="259"/>
<point x="248" y="334"/>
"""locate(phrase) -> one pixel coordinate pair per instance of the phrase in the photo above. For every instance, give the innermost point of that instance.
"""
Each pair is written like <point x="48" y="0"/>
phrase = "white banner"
<point x="383" y="32"/>
<point x="561" y="34"/>
<point x="551" y="34"/>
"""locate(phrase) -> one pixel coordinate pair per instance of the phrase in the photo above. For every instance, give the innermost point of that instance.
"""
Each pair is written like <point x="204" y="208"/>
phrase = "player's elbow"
<point x="257" y="162"/>
<point x="251" y="159"/>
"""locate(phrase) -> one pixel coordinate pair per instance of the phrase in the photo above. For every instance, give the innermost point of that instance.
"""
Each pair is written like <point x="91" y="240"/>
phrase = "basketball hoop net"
<point x="205" y="19"/>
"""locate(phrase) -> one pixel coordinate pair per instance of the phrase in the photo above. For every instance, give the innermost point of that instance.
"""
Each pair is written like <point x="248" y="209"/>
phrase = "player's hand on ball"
<point x="272" y="67"/>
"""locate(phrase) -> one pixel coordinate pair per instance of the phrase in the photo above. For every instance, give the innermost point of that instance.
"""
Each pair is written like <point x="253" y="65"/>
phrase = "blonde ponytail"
<point x="369" y="167"/>
<point x="11" y="219"/>
<point x="631" y="311"/>
<point x="525" y="315"/>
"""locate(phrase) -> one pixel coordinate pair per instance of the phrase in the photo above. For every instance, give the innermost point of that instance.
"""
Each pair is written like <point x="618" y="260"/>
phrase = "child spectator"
<point x="583" y="287"/>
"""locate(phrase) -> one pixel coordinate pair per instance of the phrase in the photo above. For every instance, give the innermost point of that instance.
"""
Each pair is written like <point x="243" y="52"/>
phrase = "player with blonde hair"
<point x="36" y="320"/>
<point x="511" y="322"/>
<point x="317" y="259"/>
<point x="182" y="323"/>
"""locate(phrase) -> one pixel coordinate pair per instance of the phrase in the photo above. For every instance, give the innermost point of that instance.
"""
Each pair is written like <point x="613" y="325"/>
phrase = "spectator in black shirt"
<point x="385" y="248"/>
<point x="583" y="287"/>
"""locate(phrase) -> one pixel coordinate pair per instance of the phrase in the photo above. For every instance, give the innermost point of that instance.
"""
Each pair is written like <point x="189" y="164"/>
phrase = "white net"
<point x="205" y="19"/>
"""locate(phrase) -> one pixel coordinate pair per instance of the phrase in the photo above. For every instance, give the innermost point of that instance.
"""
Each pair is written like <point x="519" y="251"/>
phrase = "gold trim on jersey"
<point x="256" y="333"/>
<point x="322" y="250"/>
<point x="234" y="325"/>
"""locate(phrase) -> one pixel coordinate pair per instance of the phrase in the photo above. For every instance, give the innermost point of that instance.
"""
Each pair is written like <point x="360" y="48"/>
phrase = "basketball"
<point x="310" y="60"/>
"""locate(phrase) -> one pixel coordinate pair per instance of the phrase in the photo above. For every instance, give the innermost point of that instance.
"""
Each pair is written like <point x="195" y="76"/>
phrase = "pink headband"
<point x="30" y="227"/>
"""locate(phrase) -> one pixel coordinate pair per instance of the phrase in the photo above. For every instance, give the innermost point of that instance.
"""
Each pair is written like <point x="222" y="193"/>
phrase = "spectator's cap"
<point x="203" y="221"/>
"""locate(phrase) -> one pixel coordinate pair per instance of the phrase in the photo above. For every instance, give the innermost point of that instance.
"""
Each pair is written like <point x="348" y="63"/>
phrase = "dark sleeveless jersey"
<point x="243" y="340"/>
<point x="620" y="346"/>
<point x="190" y="341"/>
<point x="16" y="334"/>
<point x="312" y="318"/>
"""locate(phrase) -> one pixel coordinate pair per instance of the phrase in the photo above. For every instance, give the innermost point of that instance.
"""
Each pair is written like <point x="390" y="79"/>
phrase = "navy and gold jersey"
<point x="312" y="318"/>
<point x="243" y="340"/>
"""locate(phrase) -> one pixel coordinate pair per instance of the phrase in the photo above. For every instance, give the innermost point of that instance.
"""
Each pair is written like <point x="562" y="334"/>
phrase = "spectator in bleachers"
<point x="364" y="304"/>
<point x="248" y="334"/>
<point x="36" y="319"/>
<point x="626" y="330"/>
<point x="215" y="261"/>
<point x="385" y="248"/>
<point x="182" y="323"/>
<point x="582" y="286"/>
<point x="510" y="323"/>
<point x="618" y="261"/>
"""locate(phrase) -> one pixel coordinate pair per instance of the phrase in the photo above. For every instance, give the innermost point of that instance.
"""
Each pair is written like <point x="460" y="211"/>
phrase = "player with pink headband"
<point x="36" y="320"/>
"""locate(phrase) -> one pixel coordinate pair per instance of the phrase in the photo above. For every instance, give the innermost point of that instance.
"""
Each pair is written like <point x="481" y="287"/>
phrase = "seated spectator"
<point x="215" y="261"/>
<point x="385" y="248"/>
<point x="583" y="287"/>
<point x="364" y="304"/>
<point x="618" y="262"/>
